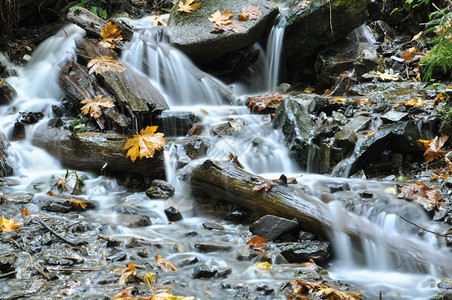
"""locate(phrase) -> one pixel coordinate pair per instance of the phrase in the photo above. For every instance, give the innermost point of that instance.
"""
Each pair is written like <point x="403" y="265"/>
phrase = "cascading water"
<point x="273" y="54"/>
<point x="258" y="147"/>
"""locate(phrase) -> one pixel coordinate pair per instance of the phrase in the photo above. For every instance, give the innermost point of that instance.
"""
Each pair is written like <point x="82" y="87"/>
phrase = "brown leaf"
<point x="418" y="192"/>
<point x="235" y="159"/>
<point x="145" y="144"/>
<point x="321" y="290"/>
<point x="264" y="101"/>
<point x="219" y="18"/>
<point x="130" y="267"/>
<point x="412" y="102"/>
<point x="253" y="11"/>
<point x="93" y="106"/>
<point x="407" y="55"/>
<point x="164" y="264"/>
<point x="110" y="35"/>
<point x="24" y="212"/>
<point x="256" y="241"/>
<point x="233" y="26"/>
<point x="434" y="148"/>
<point x="103" y="64"/>
<point x="188" y="6"/>
<point x="78" y="202"/>
<point x="243" y="16"/>
<point x="8" y="225"/>
<point x="262" y="184"/>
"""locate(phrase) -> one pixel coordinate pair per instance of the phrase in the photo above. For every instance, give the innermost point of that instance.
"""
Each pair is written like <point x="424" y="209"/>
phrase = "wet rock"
<point x="296" y="124"/>
<point x="18" y="131"/>
<point x="345" y="139"/>
<point x="149" y="217"/>
<point x="357" y="123"/>
<point x="133" y="221"/>
<point x="173" y="214"/>
<point x="319" y="251"/>
<point x="204" y="271"/>
<point x="212" y="225"/>
<point x="191" y="33"/>
<point x="445" y="284"/>
<point x="398" y="138"/>
<point x="177" y="123"/>
<point x="62" y="204"/>
<point x="270" y="227"/>
<point x="102" y="279"/>
<point x="7" y="93"/>
<point x="96" y="151"/>
<point x="321" y="104"/>
<point x="116" y="255"/>
<point x="308" y="29"/>
<point x="394" y="116"/>
<point x="191" y="260"/>
<point x="306" y="236"/>
<point x="389" y="91"/>
<point x="160" y="189"/>
<point x="223" y="272"/>
<point x="212" y="247"/>
<point x="339" y="187"/>
<point x="230" y="127"/>
<point x="195" y="147"/>
<point x="55" y="122"/>
<point x="18" y="198"/>
<point x="236" y="216"/>
<point x="8" y="264"/>
<point x="369" y="60"/>
<point x="30" y="117"/>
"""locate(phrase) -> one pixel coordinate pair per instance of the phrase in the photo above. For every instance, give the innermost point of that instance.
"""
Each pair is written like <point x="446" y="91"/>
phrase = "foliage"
<point x="188" y="6"/>
<point x="434" y="148"/>
<point x="428" y="197"/>
<point x="158" y="21"/>
<point x="223" y="22"/>
<point x="264" y="101"/>
<point x="163" y="263"/>
<point x="93" y="106"/>
<point x="302" y="287"/>
<point x="441" y="53"/>
<point x="96" y="7"/>
<point x="261" y="184"/>
<point x="110" y="35"/>
<point x="8" y="225"/>
<point x="145" y="144"/>
<point x="221" y="18"/>
<point x="102" y="64"/>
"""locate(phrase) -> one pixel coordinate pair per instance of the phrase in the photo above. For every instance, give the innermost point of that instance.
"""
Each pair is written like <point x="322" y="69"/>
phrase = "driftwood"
<point x="226" y="181"/>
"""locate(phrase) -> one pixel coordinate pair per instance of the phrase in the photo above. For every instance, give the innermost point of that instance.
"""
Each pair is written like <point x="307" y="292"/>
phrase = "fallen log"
<point x="226" y="181"/>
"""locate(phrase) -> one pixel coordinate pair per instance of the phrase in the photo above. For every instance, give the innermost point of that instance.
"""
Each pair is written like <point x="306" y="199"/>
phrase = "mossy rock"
<point x="191" y="32"/>
<point x="309" y="29"/>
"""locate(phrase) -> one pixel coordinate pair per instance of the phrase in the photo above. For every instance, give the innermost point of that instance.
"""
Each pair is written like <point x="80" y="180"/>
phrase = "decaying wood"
<point x="224" y="181"/>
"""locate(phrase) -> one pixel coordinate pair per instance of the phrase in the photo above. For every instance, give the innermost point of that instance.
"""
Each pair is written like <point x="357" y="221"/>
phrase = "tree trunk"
<point x="226" y="181"/>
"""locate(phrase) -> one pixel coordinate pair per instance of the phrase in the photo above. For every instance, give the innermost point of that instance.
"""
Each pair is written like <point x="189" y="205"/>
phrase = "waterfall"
<point x="273" y="55"/>
<point x="177" y="78"/>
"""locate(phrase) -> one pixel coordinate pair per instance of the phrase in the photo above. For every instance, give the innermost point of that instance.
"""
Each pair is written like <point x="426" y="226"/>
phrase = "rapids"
<point x="260" y="149"/>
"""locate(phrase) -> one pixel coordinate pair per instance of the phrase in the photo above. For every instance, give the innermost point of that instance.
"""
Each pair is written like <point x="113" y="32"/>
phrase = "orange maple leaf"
<point x="24" y="212"/>
<point x="253" y="12"/>
<point x="434" y="148"/>
<point x="243" y="16"/>
<point x="8" y="225"/>
<point x="264" y="101"/>
<point x="102" y="64"/>
<point x="144" y="144"/>
<point x="219" y="18"/>
<point x="188" y="6"/>
<point x="163" y="263"/>
<point x="93" y="106"/>
<point x="110" y="35"/>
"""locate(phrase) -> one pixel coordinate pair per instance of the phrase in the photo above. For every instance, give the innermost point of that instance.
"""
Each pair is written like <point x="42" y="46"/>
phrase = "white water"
<point x="38" y="90"/>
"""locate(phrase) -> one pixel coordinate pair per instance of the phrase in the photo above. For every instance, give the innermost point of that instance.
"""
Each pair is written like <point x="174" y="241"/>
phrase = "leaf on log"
<point x="110" y="35"/>
<point x="93" y="106"/>
<point x="145" y="144"/>
<point x="102" y="64"/>
<point x="264" y="101"/>
<point x="262" y="184"/>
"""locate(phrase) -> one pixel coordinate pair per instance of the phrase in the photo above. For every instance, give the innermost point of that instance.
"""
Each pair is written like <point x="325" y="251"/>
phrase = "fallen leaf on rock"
<point x="407" y="55"/>
<point x="188" y="6"/>
<point x="256" y="241"/>
<point x="264" y="101"/>
<point x="145" y="144"/>
<point x="8" y="225"/>
<point x="386" y="76"/>
<point x="24" y="212"/>
<point x="163" y="263"/>
<point x="233" y="26"/>
<point x="110" y="35"/>
<point x="263" y="265"/>
<point x="412" y="102"/>
<point x="77" y="202"/>
<point x="262" y="184"/>
<point x="92" y="107"/>
<point x="302" y="5"/>
<point x="102" y="64"/>
<point x="243" y="16"/>
<point x="320" y="289"/>
<point x="418" y="192"/>
<point x="252" y="11"/>
<point x="219" y="18"/>
<point x="130" y="267"/>
<point x="434" y="148"/>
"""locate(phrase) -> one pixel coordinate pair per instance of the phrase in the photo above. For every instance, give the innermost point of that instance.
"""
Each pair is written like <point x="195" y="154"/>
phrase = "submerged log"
<point x="225" y="181"/>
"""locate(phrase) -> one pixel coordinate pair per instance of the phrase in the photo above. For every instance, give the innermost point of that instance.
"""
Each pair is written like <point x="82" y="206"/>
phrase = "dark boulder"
<point x="270" y="227"/>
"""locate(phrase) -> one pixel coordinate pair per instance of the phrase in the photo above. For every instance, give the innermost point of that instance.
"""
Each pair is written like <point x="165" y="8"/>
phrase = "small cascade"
<point x="177" y="78"/>
<point x="273" y="55"/>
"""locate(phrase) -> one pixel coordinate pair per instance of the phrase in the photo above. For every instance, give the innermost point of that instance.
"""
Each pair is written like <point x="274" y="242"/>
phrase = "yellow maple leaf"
<point x="386" y="76"/>
<point x="263" y="265"/>
<point x="78" y="202"/>
<point x="92" y="106"/>
<point x="8" y="225"/>
<point x="144" y="144"/>
<point x="412" y="102"/>
<point x="110" y="35"/>
<point x="188" y="6"/>
<point x="243" y="16"/>
<point x="102" y="64"/>
<point x="219" y="18"/>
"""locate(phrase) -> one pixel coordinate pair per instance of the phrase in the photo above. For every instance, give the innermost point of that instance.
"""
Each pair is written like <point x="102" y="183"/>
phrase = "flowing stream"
<point x="260" y="149"/>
